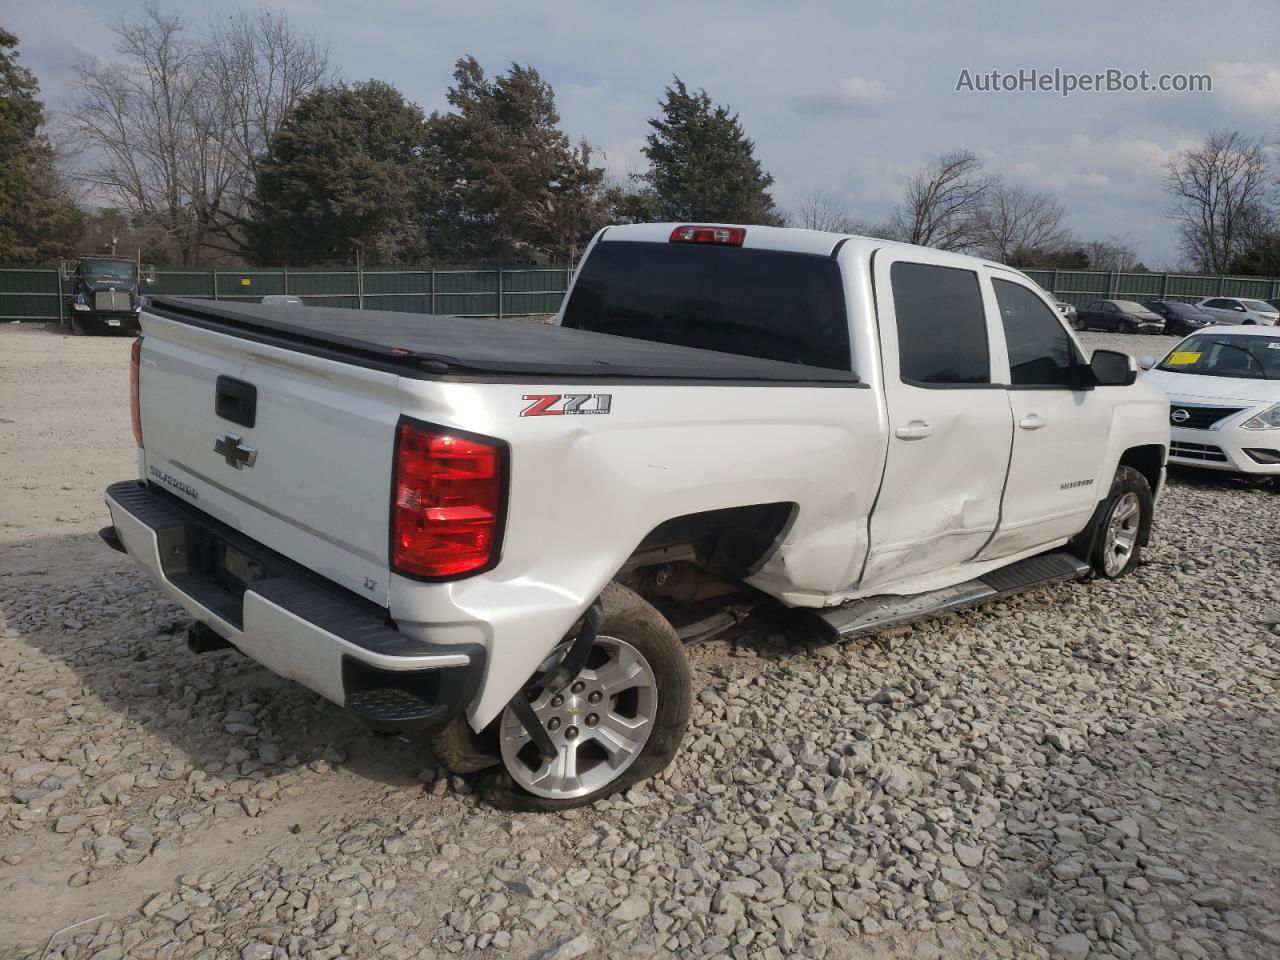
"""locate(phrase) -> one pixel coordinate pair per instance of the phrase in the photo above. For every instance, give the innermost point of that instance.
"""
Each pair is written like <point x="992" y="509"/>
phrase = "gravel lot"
<point x="1087" y="770"/>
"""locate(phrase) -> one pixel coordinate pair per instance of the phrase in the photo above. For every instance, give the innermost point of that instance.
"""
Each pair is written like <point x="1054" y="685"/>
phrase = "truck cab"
<point x="105" y="293"/>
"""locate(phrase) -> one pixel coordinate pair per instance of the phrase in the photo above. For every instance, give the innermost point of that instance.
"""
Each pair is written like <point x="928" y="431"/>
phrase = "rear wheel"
<point x="1124" y="520"/>
<point x="619" y="721"/>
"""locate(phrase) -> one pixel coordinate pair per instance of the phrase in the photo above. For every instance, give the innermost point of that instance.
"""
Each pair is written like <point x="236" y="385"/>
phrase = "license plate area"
<point x="240" y="569"/>
<point x="113" y="321"/>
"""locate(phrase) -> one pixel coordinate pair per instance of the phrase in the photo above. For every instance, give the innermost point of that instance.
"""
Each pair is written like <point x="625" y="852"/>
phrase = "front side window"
<point x="942" y="329"/>
<point x="1040" y="350"/>
<point x="1259" y="306"/>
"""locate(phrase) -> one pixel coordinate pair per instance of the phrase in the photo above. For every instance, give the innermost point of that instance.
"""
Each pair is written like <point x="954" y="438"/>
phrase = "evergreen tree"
<point x="504" y="180"/>
<point x="37" y="220"/>
<point x="702" y="165"/>
<point x="343" y="170"/>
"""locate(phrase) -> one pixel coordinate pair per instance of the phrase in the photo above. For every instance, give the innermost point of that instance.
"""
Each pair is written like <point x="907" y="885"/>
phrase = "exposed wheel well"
<point x="731" y="542"/>
<point x="1147" y="460"/>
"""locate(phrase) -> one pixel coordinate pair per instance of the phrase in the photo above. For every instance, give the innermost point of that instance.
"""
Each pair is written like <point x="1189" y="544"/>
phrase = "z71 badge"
<point x="559" y="404"/>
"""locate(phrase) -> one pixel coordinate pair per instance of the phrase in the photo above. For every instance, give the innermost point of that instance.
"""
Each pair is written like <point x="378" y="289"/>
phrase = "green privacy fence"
<point x="36" y="293"/>
<point x="1084" y="286"/>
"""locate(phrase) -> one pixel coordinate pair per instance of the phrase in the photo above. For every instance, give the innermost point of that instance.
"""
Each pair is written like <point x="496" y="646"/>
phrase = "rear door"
<point x="1060" y="429"/>
<point x="949" y="424"/>
<point x="297" y="453"/>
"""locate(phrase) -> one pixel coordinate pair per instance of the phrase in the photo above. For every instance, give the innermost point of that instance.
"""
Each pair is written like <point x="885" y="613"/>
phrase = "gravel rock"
<point x="1082" y="770"/>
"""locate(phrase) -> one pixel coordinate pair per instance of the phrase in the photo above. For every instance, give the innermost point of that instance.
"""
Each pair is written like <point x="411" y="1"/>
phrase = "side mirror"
<point x="1111" y="368"/>
<point x="67" y="268"/>
<point x="149" y="274"/>
<point x="1146" y="363"/>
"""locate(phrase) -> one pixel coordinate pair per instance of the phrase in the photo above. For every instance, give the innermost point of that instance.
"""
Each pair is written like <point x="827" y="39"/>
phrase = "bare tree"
<point x="819" y="210"/>
<point x="1219" y="192"/>
<point x="1016" y="218"/>
<point x="257" y="69"/>
<point x="172" y="131"/>
<point x="1112" y="254"/>
<point x="134" y="121"/>
<point x="943" y="203"/>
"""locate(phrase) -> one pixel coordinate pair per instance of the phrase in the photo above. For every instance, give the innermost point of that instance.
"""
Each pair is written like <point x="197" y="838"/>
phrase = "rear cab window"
<point x="741" y="300"/>
<point x="942" y="328"/>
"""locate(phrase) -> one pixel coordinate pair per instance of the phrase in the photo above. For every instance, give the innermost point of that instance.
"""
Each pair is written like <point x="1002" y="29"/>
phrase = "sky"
<point x="843" y="97"/>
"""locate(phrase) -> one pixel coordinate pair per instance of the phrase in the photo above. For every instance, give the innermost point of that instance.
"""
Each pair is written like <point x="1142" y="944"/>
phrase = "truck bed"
<point x="446" y="347"/>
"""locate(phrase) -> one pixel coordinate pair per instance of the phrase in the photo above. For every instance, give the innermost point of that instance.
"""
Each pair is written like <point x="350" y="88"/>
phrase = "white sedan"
<point x="1242" y="310"/>
<point x="1223" y="386"/>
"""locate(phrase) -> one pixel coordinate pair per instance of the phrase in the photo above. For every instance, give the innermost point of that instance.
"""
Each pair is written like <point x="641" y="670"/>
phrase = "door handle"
<point x="915" y="430"/>
<point x="1032" y="421"/>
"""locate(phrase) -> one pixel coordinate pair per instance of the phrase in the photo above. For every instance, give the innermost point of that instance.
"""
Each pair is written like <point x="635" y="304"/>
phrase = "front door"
<point x="1060" y="427"/>
<point x="949" y="425"/>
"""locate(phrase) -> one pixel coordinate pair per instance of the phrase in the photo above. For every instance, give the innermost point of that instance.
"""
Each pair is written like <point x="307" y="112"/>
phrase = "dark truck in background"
<point x="105" y="293"/>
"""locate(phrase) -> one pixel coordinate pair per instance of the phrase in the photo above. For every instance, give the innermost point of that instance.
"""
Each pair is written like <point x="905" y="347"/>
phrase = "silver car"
<point x="1240" y="311"/>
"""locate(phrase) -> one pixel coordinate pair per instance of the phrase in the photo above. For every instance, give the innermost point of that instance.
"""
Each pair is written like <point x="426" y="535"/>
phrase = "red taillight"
<point x="725" y="236"/>
<point x="135" y="410"/>
<point x="448" y="502"/>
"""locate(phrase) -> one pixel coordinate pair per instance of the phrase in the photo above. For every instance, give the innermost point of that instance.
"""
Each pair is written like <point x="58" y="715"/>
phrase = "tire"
<point x="653" y="688"/>
<point x="1122" y="526"/>
<point x="461" y="750"/>
<point x="78" y="327"/>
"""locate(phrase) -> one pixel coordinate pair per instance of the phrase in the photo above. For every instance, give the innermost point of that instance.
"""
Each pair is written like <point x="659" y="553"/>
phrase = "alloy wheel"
<point x="1122" y="534"/>
<point x="599" y="725"/>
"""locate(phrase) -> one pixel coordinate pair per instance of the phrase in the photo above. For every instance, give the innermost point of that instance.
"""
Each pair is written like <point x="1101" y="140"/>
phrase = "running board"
<point x="873" y="614"/>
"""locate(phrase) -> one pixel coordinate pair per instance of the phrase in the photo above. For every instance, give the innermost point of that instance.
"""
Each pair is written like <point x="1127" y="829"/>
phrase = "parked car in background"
<point x="1239" y="310"/>
<point x="1223" y="386"/>
<point x="281" y="300"/>
<point x="1119" y="316"/>
<point x="1068" y="310"/>
<point x="1180" y="318"/>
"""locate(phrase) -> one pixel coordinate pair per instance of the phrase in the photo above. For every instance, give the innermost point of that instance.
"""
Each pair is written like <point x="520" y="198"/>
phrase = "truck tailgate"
<point x="310" y="478"/>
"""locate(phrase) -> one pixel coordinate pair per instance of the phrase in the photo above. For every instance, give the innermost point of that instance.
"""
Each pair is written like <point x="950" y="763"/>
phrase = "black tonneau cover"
<point x="427" y="346"/>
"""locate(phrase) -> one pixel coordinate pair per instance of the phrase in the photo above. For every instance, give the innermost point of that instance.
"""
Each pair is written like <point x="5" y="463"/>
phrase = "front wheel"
<point x="619" y="721"/>
<point x="1123" y="524"/>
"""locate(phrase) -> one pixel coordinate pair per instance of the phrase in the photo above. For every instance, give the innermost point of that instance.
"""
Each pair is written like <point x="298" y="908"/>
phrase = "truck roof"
<point x="474" y="348"/>
<point x="820" y="243"/>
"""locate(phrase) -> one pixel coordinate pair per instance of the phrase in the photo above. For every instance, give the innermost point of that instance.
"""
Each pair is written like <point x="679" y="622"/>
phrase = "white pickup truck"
<point x="470" y="526"/>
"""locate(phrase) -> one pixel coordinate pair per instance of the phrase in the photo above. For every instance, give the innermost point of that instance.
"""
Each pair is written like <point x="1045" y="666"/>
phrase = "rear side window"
<point x="756" y="303"/>
<point x="942" y="330"/>
<point x="1040" y="350"/>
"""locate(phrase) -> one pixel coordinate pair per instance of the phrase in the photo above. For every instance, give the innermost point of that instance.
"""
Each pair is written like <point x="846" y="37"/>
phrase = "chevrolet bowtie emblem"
<point x="230" y="448"/>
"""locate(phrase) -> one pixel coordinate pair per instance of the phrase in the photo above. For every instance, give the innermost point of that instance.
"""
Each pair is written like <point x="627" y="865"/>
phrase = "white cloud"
<point x="1094" y="163"/>
<point x="1253" y="87"/>
<point x="855" y="89"/>
<point x="624" y="158"/>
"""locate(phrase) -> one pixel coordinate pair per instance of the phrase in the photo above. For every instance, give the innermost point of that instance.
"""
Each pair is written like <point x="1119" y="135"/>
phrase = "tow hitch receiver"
<point x="200" y="639"/>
